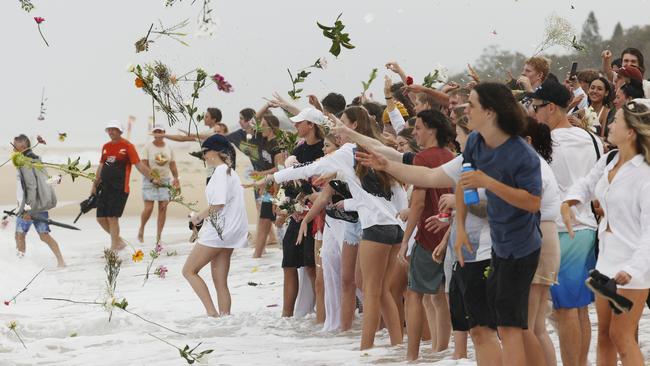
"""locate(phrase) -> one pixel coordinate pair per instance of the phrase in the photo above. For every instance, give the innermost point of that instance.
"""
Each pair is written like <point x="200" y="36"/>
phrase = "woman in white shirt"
<point x="225" y="227"/>
<point x="378" y="198"/>
<point x="622" y="187"/>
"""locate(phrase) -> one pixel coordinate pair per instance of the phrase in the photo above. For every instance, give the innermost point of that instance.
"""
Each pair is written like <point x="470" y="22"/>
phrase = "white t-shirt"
<point x="476" y="227"/>
<point x="550" y="208"/>
<point x="232" y="222"/>
<point x="373" y="210"/>
<point x="573" y="157"/>
<point x="159" y="159"/>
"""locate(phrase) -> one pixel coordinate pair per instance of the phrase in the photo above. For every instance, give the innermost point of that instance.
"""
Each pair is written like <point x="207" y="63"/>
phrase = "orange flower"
<point x="138" y="256"/>
<point x="139" y="83"/>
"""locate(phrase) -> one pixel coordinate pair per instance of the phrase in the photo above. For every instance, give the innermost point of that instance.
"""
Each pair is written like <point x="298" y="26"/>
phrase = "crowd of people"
<point x="461" y="211"/>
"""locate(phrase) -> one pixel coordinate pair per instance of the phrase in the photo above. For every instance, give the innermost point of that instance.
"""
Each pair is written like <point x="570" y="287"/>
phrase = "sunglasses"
<point x="536" y="107"/>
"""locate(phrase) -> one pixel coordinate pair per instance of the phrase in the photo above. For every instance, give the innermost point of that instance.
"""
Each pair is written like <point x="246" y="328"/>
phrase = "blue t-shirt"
<point x="515" y="232"/>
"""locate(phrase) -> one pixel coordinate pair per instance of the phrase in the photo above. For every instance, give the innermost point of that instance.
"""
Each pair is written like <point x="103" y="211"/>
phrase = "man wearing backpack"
<point x="35" y="197"/>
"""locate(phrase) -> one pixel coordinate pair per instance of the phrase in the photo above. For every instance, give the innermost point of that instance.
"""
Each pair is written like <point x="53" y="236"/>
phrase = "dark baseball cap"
<point x="220" y="143"/>
<point x="554" y="92"/>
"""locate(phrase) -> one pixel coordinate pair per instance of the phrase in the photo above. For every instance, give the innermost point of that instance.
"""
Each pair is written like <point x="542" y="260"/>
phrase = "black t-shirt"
<point x="237" y="137"/>
<point x="407" y="158"/>
<point x="306" y="154"/>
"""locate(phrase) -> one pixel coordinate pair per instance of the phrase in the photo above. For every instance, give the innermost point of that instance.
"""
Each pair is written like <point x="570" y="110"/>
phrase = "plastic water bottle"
<point x="470" y="195"/>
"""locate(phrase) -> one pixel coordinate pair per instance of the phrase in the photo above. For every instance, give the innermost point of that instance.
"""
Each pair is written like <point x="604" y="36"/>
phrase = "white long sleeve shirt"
<point x="626" y="202"/>
<point x="396" y="120"/>
<point x="372" y="210"/>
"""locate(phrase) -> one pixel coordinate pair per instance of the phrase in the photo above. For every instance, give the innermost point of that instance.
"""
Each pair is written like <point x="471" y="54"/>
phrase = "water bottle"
<point x="470" y="194"/>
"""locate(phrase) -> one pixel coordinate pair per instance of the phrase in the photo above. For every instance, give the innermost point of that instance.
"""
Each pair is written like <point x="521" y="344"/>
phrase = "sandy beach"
<point x="59" y="333"/>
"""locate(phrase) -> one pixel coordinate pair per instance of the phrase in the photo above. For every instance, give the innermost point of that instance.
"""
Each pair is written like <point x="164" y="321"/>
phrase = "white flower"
<point x="130" y="67"/>
<point x="298" y="208"/>
<point x="591" y="118"/>
<point x="323" y="63"/>
<point x="249" y="136"/>
<point x="291" y="161"/>
<point x="55" y="179"/>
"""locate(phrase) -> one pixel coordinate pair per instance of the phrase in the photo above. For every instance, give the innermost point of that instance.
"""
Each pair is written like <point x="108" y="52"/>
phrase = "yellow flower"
<point x="12" y="325"/>
<point x="138" y="256"/>
<point x="19" y="160"/>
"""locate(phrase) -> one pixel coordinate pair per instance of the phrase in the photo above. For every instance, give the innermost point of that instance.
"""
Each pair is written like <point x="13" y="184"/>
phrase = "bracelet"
<point x="387" y="98"/>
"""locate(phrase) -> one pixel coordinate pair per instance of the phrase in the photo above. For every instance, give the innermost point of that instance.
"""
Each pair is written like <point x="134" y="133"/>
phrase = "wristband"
<point x="387" y="98"/>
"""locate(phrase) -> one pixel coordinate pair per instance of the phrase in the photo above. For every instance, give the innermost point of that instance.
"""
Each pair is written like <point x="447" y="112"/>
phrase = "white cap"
<point x="158" y="126"/>
<point x="312" y="115"/>
<point x="115" y="124"/>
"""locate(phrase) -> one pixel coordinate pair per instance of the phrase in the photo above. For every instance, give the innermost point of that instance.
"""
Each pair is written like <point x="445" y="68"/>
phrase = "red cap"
<point x="631" y="72"/>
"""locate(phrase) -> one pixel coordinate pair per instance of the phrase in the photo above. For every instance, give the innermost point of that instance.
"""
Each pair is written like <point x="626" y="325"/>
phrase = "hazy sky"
<point x="91" y="41"/>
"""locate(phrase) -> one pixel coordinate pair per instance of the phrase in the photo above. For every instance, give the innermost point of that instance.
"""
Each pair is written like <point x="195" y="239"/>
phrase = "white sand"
<point x="254" y="334"/>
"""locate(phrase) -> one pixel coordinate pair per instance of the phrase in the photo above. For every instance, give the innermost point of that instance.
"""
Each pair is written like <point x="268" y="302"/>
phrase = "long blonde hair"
<point x="637" y="117"/>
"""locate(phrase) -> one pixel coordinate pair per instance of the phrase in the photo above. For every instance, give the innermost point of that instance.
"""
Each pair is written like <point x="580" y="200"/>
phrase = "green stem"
<point x="162" y="340"/>
<point x="154" y="323"/>
<point x="74" y="301"/>
<point x="19" y="338"/>
<point x="28" y="283"/>
<point x="42" y="36"/>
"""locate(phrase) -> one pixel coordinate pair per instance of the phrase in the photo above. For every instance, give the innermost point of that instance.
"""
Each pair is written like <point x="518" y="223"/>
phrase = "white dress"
<point x="229" y="229"/>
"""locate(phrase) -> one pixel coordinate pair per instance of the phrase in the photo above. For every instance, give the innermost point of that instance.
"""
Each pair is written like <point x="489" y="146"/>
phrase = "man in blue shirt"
<point x="509" y="169"/>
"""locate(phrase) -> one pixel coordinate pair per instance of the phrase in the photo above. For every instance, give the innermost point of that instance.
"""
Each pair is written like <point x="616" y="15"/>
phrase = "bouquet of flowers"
<point x="559" y="32"/>
<point x="436" y="78"/>
<point x="288" y="205"/>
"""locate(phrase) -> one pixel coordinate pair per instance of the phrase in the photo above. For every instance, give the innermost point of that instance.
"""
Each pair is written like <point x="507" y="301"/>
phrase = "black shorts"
<point x="384" y="234"/>
<point x="110" y="203"/>
<point x="266" y="211"/>
<point x="295" y="256"/>
<point x="468" y="297"/>
<point x="508" y="286"/>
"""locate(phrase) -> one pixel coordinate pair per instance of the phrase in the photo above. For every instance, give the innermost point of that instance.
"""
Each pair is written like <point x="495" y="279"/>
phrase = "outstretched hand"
<point x="462" y="241"/>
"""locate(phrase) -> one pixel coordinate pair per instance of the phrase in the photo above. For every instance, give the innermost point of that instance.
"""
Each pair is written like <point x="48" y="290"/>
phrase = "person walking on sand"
<point x="159" y="157"/>
<point x="225" y="227"/>
<point x="35" y="197"/>
<point x="112" y="181"/>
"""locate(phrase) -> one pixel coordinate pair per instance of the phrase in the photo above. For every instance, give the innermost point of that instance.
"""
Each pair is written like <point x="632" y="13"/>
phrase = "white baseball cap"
<point x="115" y="124"/>
<point x="312" y="115"/>
<point x="158" y="127"/>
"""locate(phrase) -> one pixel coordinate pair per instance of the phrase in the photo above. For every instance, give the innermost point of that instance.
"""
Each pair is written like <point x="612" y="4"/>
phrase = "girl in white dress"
<point x="225" y="226"/>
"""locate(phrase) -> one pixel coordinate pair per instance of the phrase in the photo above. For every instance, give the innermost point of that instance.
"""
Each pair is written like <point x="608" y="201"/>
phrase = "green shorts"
<point x="425" y="275"/>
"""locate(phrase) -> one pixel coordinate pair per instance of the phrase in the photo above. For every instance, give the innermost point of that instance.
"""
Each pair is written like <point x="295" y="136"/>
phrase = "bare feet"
<point x="117" y="248"/>
<point x="141" y="235"/>
<point x="60" y="264"/>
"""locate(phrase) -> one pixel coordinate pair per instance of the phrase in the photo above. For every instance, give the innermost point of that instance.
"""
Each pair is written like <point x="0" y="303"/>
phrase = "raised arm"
<point x="369" y="142"/>
<point x="440" y="97"/>
<point x="417" y="175"/>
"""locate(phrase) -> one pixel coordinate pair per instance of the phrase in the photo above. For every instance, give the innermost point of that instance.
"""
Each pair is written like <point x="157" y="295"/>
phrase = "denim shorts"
<point x="150" y="192"/>
<point x="22" y="226"/>
<point x="384" y="234"/>
<point x="353" y="232"/>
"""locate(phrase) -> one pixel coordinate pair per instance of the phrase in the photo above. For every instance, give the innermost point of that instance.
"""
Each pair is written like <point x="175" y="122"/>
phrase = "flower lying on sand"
<point x="161" y="271"/>
<point x="138" y="256"/>
<point x="13" y="325"/>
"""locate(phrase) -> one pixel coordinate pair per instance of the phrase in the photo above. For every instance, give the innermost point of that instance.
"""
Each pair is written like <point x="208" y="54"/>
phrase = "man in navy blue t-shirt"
<point x="510" y="172"/>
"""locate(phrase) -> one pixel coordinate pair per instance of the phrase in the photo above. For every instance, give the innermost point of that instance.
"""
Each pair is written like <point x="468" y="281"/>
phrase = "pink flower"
<point x="39" y="20"/>
<point x="161" y="271"/>
<point x="158" y="248"/>
<point x="222" y="84"/>
<point x="7" y="302"/>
